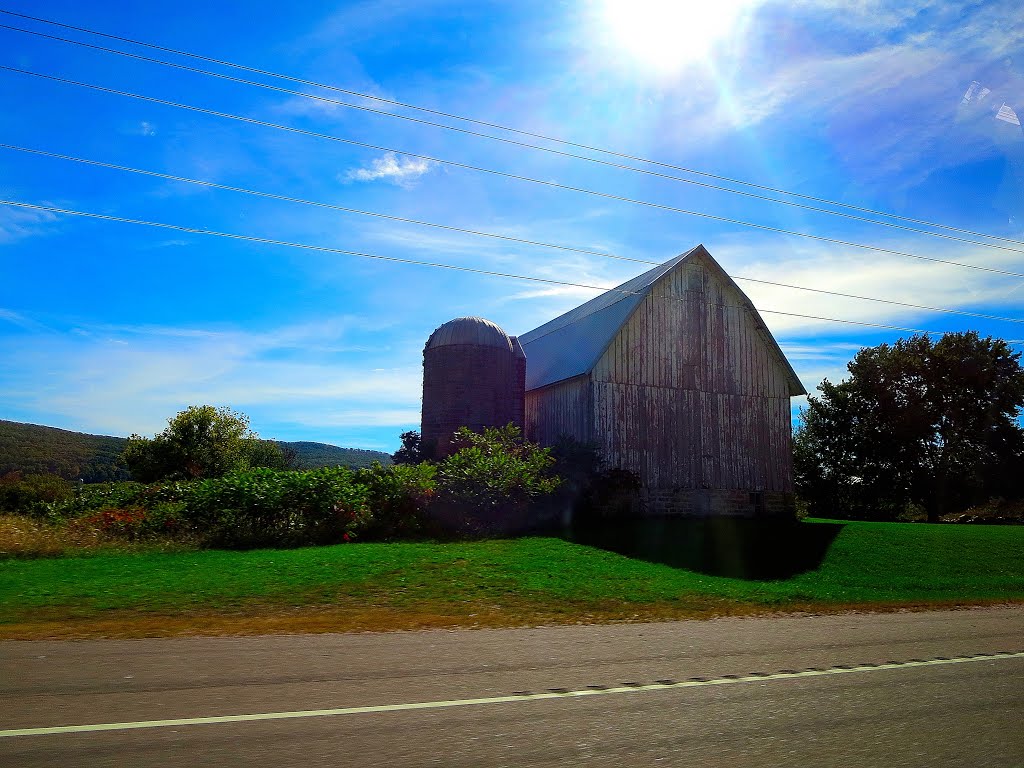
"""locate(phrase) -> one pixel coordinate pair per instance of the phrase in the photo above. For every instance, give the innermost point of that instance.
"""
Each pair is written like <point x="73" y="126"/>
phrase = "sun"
<point x="664" y="36"/>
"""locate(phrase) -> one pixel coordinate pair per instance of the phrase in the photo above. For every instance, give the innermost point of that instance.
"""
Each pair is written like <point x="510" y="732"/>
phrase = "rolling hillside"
<point x="312" y="455"/>
<point x="34" y="449"/>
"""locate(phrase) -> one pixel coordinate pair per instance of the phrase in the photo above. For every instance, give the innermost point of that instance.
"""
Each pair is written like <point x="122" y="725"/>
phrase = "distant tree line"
<point x="31" y="449"/>
<point x="308" y="455"/>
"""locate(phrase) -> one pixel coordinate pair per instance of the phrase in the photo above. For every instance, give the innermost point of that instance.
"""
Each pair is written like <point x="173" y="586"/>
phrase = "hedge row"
<point x="496" y="483"/>
<point x="258" y="507"/>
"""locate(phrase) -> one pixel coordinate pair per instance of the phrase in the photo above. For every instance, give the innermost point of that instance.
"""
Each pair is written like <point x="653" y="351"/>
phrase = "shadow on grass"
<point x="744" y="549"/>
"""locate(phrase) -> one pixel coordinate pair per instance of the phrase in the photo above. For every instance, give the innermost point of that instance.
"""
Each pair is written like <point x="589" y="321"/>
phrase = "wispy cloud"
<point x="326" y="103"/>
<point x="401" y="171"/>
<point x="19" y="223"/>
<point x="19" y="320"/>
<point x="886" y="100"/>
<point x="122" y="379"/>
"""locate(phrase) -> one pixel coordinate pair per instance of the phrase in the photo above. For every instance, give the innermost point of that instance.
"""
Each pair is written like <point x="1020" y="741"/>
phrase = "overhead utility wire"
<point x="475" y="121"/>
<point x="514" y="142"/>
<point x="346" y="209"/>
<point x="398" y="260"/>
<point x="504" y="174"/>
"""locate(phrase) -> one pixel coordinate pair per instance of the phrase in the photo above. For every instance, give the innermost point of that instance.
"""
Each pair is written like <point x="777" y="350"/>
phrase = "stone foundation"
<point x="712" y="502"/>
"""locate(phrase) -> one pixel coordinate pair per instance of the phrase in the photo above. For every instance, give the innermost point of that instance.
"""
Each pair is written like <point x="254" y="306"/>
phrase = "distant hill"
<point x="312" y="455"/>
<point x="72" y="455"/>
<point x="34" y="449"/>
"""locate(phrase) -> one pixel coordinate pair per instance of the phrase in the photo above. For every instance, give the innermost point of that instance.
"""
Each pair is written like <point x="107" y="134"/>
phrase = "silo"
<point x="469" y="375"/>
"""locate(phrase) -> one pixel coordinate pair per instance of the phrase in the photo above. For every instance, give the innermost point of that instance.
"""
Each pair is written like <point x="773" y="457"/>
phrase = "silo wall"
<point x="466" y="385"/>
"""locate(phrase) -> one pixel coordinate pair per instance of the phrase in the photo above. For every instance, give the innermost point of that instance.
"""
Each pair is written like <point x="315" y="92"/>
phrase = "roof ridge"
<point x="570" y="344"/>
<point x="644" y="283"/>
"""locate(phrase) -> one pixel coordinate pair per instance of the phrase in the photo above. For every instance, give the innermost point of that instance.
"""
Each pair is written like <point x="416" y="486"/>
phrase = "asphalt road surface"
<point x="788" y="691"/>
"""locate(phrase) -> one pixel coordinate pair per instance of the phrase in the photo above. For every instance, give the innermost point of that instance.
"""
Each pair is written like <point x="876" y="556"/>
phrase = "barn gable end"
<point x="676" y="377"/>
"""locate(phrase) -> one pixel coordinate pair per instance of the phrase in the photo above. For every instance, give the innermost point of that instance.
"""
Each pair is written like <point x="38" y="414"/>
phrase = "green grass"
<point x="863" y="564"/>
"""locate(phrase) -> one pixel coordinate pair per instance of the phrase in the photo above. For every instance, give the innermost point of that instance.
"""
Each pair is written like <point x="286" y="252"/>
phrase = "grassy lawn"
<point x="506" y="582"/>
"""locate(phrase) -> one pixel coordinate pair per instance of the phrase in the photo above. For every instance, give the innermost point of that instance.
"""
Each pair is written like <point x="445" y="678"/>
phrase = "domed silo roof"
<point x="469" y="330"/>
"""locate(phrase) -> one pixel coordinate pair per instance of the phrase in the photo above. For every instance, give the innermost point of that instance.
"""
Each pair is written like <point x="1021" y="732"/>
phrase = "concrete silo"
<point x="471" y="378"/>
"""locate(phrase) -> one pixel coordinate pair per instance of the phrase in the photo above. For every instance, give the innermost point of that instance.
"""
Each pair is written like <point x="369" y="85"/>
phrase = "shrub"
<point x="398" y="497"/>
<point x="116" y="522"/>
<point x="493" y="483"/>
<point x="266" y="507"/>
<point x="30" y="494"/>
<point x="613" y="494"/>
<point x="592" y="492"/>
<point x="167" y="518"/>
<point x="997" y="511"/>
<point x="91" y="498"/>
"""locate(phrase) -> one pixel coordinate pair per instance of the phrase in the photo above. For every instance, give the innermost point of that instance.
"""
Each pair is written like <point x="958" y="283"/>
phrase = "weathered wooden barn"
<point x="675" y="377"/>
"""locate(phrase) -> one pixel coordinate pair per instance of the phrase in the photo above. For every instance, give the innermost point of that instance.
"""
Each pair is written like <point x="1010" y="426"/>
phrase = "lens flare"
<point x="665" y="36"/>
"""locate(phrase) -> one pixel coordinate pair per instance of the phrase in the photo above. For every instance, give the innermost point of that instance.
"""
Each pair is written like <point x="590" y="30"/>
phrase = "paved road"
<point x="961" y="712"/>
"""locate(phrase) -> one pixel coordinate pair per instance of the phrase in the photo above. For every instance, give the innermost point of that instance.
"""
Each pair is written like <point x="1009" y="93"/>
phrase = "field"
<point x="673" y="571"/>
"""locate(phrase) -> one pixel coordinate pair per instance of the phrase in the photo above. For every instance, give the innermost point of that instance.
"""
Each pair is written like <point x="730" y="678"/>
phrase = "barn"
<point x="675" y="377"/>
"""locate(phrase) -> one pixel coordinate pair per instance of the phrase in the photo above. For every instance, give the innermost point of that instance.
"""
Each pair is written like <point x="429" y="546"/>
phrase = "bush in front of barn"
<point x="494" y="483"/>
<point x="267" y="507"/>
<point x="399" y="497"/>
<point x="592" y="493"/>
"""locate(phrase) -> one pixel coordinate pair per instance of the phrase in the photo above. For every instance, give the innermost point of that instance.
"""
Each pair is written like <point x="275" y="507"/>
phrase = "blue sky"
<point x="111" y="328"/>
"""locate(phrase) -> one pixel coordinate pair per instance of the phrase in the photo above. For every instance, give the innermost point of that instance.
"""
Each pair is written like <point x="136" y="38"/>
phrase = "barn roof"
<point x="571" y="344"/>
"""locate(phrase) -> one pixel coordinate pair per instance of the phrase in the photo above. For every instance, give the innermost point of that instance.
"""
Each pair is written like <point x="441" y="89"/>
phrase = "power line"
<point x="479" y="233"/>
<point x="504" y="174"/>
<point x="320" y="204"/>
<point x="475" y="121"/>
<point x="514" y="142"/>
<point x="399" y="260"/>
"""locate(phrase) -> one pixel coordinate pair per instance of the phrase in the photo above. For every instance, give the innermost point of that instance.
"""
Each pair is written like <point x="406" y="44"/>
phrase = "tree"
<point x="918" y="422"/>
<point x="201" y="441"/>
<point x="413" y="450"/>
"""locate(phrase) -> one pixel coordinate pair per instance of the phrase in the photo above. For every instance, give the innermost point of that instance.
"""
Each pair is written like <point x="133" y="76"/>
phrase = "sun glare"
<point x="664" y="36"/>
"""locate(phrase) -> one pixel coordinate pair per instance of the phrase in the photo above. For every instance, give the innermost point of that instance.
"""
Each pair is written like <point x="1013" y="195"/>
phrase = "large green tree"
<point x="932" y="423"/>
<point x="201" y="441"/>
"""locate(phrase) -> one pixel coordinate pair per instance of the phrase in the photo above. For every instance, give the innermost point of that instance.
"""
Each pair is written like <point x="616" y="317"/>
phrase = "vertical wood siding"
<point x="564" y="408"/>
<point x="688" y="394"/>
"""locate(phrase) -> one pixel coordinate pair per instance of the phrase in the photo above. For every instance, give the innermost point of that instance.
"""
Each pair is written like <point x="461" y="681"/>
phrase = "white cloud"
<point x="19" y="223"/>
<point x="387" y="417"/>
<point x="821" y="349"/>
<point x="401" y="171"/>
<point x="325" y="103"/>
<point x="855" y="271"/>
<point x="123" y="379"/>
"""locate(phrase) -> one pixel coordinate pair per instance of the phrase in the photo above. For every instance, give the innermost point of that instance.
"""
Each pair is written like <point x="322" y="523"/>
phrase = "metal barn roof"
<point x="571" y="344"/>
